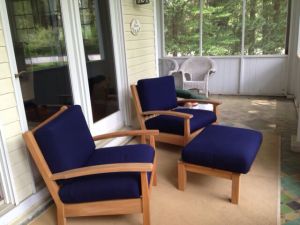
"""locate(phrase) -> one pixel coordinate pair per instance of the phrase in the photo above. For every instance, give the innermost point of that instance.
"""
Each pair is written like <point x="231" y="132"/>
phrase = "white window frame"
<point x="5" y="173"/>
<point x="298" y="45"/>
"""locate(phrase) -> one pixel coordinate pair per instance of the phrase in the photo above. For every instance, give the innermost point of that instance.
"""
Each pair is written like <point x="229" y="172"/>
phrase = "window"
<point x="91" y="30"/>
<point x="265" y="28"/>
<point x="222" y="27"/>
<point x="38" y="32"/>
<point x="215" y="27"/>
<point x="182" y="27"/>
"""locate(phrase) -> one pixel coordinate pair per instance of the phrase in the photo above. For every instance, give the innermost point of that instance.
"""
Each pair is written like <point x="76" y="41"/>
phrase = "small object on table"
<point x="191" y="104"/>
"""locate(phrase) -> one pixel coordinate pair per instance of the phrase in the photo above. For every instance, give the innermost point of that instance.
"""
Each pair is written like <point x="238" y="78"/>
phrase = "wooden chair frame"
<point x="110" y="207"/>
<point x="180" y="140"/>
<point x="183" y="167"/>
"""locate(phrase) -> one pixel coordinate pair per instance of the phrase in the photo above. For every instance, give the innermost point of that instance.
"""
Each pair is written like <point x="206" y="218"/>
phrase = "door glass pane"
<point x="40" y="51"/>
<point x="98" y="46"/>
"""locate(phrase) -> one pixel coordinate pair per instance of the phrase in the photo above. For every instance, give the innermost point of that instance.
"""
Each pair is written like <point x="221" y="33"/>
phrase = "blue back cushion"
<point x="157" y="93"/>
<point x="66" y="141"/>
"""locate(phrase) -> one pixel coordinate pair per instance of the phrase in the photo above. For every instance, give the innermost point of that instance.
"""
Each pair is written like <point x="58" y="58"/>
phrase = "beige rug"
<point x="206" y="199"/>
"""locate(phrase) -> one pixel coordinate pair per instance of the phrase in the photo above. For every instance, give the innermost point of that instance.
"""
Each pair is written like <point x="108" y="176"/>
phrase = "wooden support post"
<point x="235" y="188"/>
<point x="181" y="176"/>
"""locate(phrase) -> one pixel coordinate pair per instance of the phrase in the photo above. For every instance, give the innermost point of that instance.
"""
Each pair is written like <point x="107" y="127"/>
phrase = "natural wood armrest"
<point x="205" y="101"/>
<point x="104" y="168"/>
<point x="126" y="133"/>
<point x="168" y="113"/>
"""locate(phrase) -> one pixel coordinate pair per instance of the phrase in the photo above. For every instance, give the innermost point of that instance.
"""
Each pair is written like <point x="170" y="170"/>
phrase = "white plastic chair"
<point x="168" y="66"/>
<point x="195" y="72"/>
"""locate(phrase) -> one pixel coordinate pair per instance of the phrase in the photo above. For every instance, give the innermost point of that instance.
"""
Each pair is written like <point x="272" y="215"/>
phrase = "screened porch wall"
<point x="21" y="175"/>
<point x="247" y="75"/>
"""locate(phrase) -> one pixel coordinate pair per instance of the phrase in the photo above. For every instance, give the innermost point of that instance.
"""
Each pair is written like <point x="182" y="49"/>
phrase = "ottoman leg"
<point x="181" y="176"/>
<point x="235" y="188"/>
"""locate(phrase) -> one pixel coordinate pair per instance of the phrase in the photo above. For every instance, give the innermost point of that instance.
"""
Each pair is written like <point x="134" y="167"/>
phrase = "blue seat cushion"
<point x="175" y="125"/>
<point x="224" y="148"/>
<point x="66" y="141"/>
<point x="157" y="93"/>
<point x="109" y="186"/>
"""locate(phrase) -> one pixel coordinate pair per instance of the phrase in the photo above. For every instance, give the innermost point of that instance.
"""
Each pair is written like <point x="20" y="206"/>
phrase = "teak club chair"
<point x="85" y="181"/>
<point x="157" y="108"/>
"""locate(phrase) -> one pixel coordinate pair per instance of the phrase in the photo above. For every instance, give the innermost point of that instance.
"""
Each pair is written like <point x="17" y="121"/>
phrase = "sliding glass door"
<point x="51" y="39"/>
<point x="99" y="56"/>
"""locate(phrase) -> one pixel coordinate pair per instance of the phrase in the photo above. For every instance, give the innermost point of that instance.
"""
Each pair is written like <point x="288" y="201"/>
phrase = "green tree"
<point x="265" y="27"/>
<point x="182" y="27"/>
<point x="266" y="23"/>
<point x="222" y="27"/>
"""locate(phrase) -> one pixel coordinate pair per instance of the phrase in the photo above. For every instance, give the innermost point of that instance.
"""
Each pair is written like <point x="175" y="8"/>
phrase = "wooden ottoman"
<point x="220" y="151"/>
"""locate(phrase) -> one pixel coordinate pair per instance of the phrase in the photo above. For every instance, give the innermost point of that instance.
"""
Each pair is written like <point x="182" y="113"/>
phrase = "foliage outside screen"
<point x="265" y="27"/>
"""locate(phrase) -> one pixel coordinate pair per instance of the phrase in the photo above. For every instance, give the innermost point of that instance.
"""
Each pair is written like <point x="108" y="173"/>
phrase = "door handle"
<point x="20" y="74"/>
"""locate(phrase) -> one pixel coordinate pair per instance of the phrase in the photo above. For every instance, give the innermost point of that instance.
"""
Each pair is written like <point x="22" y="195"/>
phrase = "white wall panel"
<point x="264" y="76"/>
<point x="226" y="79"/>
<point x="261" y="75"/>
<point x="140" y="49"/>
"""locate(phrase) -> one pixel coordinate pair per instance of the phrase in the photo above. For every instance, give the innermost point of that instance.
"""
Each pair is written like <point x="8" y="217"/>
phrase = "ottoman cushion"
<point x="225" y="148"/>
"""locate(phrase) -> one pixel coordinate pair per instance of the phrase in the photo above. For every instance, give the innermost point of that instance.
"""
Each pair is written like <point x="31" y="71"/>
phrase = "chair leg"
<point x="61" y="218"/>
<point x="145" y="199"/>
<point x="155" y="173"/>
<point x="181" y="176"/>
<point x="154" y="178"/>
<point x="235" y="188"/>
<point x="146" y="213"/>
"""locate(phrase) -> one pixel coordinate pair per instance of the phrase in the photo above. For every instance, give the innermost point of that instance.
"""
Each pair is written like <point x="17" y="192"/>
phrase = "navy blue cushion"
<point x="66" y="141"/>
<point x="157" y="93"/>
<point x="175" y="125"/>
<point x="122" y="154"/>
<point x="225" y="148"/>
<point x="109" y="186"/>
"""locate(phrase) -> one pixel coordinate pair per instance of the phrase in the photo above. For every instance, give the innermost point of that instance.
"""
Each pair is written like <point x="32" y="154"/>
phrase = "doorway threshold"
<point x="4" y="208"/>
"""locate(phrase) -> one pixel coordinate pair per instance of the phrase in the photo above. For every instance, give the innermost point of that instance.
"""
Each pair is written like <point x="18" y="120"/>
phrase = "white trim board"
<point x="117" y="29"/>
<point x="5" y="171"/>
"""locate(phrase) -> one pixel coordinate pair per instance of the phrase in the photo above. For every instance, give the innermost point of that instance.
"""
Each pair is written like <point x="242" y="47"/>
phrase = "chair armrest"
<point x="126" y="133"/>
<point x="204" y="101"/>
<point x="104" y="168"/>
<point x="171" y="72"/>
<point x="168" y="113"/>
